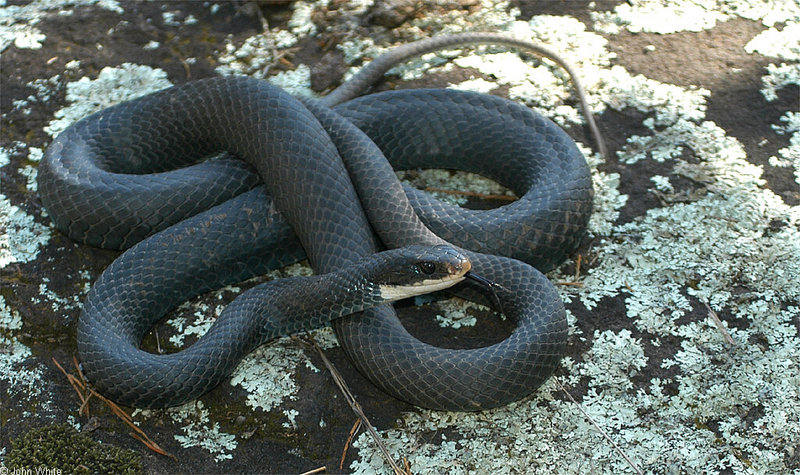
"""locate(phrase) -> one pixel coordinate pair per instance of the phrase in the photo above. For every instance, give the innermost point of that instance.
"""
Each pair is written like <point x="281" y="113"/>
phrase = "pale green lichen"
<point x="534" y="85"/>
<point x="9" y="318"/>
<point x="252" y="58"/>
<point x="21" y="235"/>
<point x="730" y="234"/>
<point x="490" y="16"/>
<point x="170" y="18"/>
<point x="607" y="198"/>
<point x="768" y="12"/>
<point x="356" y="49"/>
<point x="203" y="314"/>
<point x="456" y="313"/>
<point x="112" y="86"/>
<point x="21" y="238"/>
<point x="778" y="77"/>
<point x="662" y="183"/>
<point x="783" y="44"/>
<point x="659" y="16"/>
<point x="43" y="90"/>
<point x="438" y="179"/>
<point x="475" y="85"/>
<point x="585" y="51"/>
<point x="674" y="110"/>
<point x="300" y="23"/>
<point x="789" y="156"/>
<point x="544" y="87"/>
<point x="30" y="172"/>
<point x="291" y="418"/>
<point x="667" y="248"/>
<point x="672" y="16"/>
<point x="197" y="429"/>
<point x="704" y="249"/>
<point x="18" y="22"/>
<point x="258" y="53"/>
<point x="35" y="154"/>
<point x="267" y="374"/>
<point x="296" y="82"/>
<point x="21" y="379"/>
<point x="57" y="302"/>
<point x="487" y="16"/>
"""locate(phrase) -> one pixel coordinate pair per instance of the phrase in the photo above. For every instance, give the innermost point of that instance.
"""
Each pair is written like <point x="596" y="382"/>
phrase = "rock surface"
<point x="697" y="213"/>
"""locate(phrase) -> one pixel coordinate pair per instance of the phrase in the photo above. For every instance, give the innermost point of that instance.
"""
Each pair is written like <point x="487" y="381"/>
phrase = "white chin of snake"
<point x="390" y="293"/>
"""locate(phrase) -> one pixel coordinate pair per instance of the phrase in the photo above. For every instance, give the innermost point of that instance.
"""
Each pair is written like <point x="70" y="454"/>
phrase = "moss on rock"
<point x="63" y="448"/>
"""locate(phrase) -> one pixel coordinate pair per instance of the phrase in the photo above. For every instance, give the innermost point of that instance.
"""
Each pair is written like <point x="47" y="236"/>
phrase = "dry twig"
<point x="316" y="470"/>
<point x="596" y="426"/>
<point x="569" y="284"/>
<point x="356" y="407"/>
<point x="628" y="287"/>
<point x="353" y="432"/>
<point x="78" y="385"/>
<point x="715" y="318"/>
<point x="85" y="393"/>
<point x="475" y="194"/>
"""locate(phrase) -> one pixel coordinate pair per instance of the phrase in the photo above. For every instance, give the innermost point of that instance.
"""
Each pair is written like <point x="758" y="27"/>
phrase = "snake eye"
<point x="426" y="267"/>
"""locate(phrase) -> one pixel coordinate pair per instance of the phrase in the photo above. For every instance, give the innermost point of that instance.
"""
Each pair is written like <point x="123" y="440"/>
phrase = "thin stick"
<point x="158" y="341"/>
<point x="353" y="432"/>
<point x="356" y="407"/>
<point x="602" y="432"/>
<point x="138" y="434"/>
<point x="715" y="318"/>
<point x="76" y="384"/>
<point x="81" y="386"/>
<point x="316" y="470"/>
<point x="628" y="287"/>
<point x="485" y="196"/>
<point x="569" y="284"/>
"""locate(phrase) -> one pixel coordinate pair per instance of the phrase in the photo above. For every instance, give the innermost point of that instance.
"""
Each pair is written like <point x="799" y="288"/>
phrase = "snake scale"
<point x="314" y="179"/>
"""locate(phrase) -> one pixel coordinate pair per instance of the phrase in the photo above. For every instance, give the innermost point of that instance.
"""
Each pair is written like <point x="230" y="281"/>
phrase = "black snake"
<point x="321" y="190"/>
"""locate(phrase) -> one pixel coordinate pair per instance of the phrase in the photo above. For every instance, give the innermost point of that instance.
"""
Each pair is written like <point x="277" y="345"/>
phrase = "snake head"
<point x="417" y="270"/>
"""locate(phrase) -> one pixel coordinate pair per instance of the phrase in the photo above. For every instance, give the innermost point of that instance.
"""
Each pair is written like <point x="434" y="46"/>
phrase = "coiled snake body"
<point x="320" y="189"/>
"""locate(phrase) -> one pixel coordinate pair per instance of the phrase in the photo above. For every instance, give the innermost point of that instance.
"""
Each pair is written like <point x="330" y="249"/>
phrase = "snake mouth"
<point x="391" y="293"/>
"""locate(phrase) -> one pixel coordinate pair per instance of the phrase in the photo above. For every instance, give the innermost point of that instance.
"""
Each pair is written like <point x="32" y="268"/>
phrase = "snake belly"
<point x="130" y="171"/>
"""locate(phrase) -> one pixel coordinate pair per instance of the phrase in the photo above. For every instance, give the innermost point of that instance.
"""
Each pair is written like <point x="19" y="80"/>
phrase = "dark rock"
<point x="392" y="13"/>
<point x="328" y="72"/>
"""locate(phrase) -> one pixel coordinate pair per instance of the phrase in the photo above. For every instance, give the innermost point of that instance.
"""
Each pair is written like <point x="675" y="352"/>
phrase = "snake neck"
<point x="294" y="304"/>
